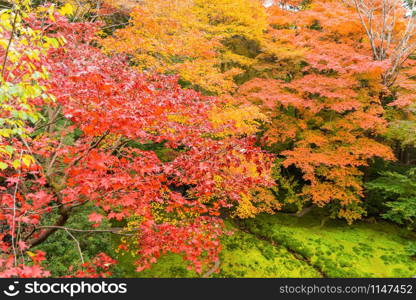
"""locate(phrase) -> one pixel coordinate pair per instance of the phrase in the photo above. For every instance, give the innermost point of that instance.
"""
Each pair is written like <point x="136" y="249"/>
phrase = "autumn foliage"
<point x="192" y="38"/>
<point x="114" y="109"/>
<point x="254" y="108"/>
<point x="328" y="112"/>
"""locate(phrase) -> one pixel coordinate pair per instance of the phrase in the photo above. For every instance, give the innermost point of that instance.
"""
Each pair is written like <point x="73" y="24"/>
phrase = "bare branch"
<point x="77" y="243"/>
<point x="9" y="43"/>
<point x="115" y="230"/>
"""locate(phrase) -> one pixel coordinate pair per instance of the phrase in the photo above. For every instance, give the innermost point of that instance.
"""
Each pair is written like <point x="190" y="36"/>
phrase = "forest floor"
<point x="282" y="245"/>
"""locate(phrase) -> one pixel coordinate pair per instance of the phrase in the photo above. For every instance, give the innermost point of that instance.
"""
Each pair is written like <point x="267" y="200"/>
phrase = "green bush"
<point x="399" y="192"/>
<point x="61" y="250"/>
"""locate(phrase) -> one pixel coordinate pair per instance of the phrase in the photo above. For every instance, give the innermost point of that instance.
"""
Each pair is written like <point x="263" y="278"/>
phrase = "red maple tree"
<point x="90" y="151"/>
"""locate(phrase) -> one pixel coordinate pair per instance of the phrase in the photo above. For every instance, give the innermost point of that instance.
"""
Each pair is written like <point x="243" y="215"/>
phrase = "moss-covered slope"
<point x="287" y="246"/>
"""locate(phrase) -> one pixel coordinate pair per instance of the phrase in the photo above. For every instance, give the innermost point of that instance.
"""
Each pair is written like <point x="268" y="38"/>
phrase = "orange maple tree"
<point x="326" y="87"/>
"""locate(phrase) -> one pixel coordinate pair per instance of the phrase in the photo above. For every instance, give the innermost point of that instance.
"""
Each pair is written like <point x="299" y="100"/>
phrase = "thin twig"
<point x="9" y="44"/>
<point x="115" y="230"/>
<point x="77" y="243"/>
<point x="14" y="211"/>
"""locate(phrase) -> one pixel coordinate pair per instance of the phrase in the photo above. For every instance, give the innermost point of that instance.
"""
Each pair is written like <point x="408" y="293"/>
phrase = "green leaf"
<point x="16" y="164"/>
<point x="27" y="160"/>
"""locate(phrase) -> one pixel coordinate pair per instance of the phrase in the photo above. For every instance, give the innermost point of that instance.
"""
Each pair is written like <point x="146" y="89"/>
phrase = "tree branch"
<point x="63" y="218"/>
<point x="115" y="230"/>
<point x="9" y="44"/>
<point x="77" y="243"/>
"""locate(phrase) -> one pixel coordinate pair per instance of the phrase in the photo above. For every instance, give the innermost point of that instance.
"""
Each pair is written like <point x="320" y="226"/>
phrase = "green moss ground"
<point x="339" y="250"/>
<point x="168" y="266"/>
<point x="244" y="255"/>
<point x="287" y="246"/>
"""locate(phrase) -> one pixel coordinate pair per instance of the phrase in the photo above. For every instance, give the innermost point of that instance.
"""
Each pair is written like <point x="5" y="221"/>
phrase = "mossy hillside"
<point x="333" y="249"/>
<point x="339" y="250"/>
<point x="168" y="266"/>
<point x="243" y="255"/>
